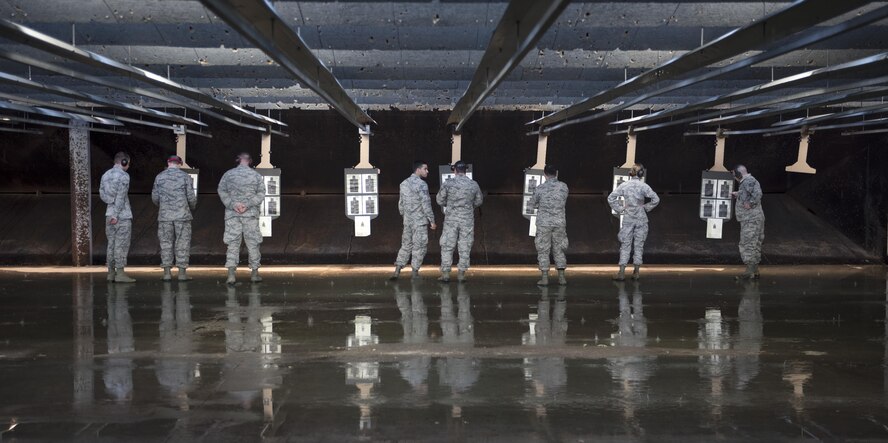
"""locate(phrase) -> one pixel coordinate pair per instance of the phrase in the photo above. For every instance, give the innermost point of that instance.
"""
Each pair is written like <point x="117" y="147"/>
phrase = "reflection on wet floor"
<point x="685" y="356"/>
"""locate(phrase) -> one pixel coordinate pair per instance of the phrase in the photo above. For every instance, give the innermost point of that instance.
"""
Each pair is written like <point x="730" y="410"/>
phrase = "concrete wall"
<point x="837" y="215"/>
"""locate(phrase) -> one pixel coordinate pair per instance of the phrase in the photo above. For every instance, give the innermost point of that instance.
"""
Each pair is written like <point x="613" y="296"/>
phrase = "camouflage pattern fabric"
<point x="458" y="197"/>
<point x="634" y="211"/>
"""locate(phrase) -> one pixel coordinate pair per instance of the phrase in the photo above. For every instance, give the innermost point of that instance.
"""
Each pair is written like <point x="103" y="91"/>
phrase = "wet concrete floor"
<point x="341" y="354"/>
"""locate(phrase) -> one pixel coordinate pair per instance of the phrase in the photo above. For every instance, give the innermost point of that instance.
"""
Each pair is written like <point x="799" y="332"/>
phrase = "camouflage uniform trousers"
<point x="118" y="241"/>
<point x="752" y="233"/>
<point x="174" y="233"/>
<point x="634" y="232"/>
<point x="415" y="243"/>
<point x="460" y="236"/>
<point x="551" y="239"/>
<point x="246" y="228"/>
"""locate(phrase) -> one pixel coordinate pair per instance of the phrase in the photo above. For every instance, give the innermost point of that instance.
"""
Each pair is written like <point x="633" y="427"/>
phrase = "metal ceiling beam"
<point x="260" y="23"/>
<point x="797" y="17"/>
<point x="797" y="96"/>
<point x="70" y="93"/>
<point x="91" y="112"/>
<point x="826" y="101"/>
<point x="856" y="112"/>
<point x="61" y="70"/>
<point x="810" y="38"/>
<point x="867" y="131"/>
<point x="43" y="42"/>
<point x="21" y="130"/>
<point x="523" y="23"/>
<point x="872" y="62"/>
<point x="57" y="114"/>
<point x="851" y="125"/>
<point x="33" y="121"/>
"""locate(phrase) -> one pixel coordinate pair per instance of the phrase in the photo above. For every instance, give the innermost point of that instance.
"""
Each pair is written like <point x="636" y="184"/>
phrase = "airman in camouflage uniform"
<point x="752" y="221"/>
<point x="242" y="191"/>
<point x="415" y="206"/>
<point x="173" y="193"/>
<point x="458" y="198"/>
<point x="634" y="211"/>
<point x="113" y="190"/>
<point x="549" y="200"/>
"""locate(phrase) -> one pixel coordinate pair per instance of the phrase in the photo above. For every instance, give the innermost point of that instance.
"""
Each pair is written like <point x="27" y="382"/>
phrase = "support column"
<point x="801" y="165"/>
<point x="542" y="148"/>
<point x="455" y="148"/>
<point x="182" y="145"/>
<point x="81" y="197"/>
<point x="265" y="151"/>
<point x="630" y="150"/>
<point x="364" y="162"/>
<point x="719" y="165"/>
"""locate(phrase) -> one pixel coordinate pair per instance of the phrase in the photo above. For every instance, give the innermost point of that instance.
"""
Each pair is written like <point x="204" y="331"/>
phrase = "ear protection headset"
<point x="638" y="170"/>
<point x="737" y="173"/>
<point x="124" y="162"/>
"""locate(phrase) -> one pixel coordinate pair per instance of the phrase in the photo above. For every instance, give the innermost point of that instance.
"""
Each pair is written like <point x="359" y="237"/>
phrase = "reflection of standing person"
<point x="631" y="372"/>
<point x="252" y="350"/>
<point x="458" y="197"/>
<point x="749" y="335"/>
<point x="118" y="375"/>
<point x="748" y="209"/>
<point x="633" y="209"/>
<point x="114" y="191"/>
<point x="174" y="369"/>
<point x="242" y="192"/>
<point x="459" y="373"/>
<point x="173" y="193"/>
<point x="549" y="199"/>
<point x="415" y="323"/>
<point x="415" y="206"/>
<point x="548" y="375"/>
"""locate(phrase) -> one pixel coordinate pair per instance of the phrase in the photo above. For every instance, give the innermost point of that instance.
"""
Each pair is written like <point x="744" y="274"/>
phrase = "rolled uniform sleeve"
<point x="613" y="199"/>
<point x="119" y="204"/>
<point x="155" y="194"/>
<point x="441" y="198"/>
<point x="426" y="202"/>
<point x="189" y="192"/>
<point x="224" y="195"/>
<point x="655" y="199"/>
<point x="255" y="201"/>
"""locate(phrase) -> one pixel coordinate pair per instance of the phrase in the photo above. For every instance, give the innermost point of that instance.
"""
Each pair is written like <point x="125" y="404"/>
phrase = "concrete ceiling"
<point x="414" y="55"/>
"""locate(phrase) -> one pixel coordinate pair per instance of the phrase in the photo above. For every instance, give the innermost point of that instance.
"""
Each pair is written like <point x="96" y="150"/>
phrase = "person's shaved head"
<point x="741" y="169"/>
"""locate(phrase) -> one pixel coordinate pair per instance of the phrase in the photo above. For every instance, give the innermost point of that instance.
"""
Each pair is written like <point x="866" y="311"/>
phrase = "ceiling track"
<point x="826" y="101"/>
<point x="61" y="70"/>
<point x="797" y="17"/>
<point x="27" y="36"/>
<point x="800" y="42"/>
<point x="871" y="62"/>
<point x="523" y="23"/>
<point x="57" y="114"/>
<point x="259" y="22"/>
<point x="720" y="112"/>
<point x="91" y="98"/>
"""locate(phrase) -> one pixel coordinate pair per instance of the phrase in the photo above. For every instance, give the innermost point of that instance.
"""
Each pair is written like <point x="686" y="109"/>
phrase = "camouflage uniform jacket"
<point x="173" y="193"/>
<point x="242" y="184"/>
<point x="459" y="197"/>
<point x="113" y="190"/>
<point x="549" y="200"/>
<point x="414" y="203"/>
<point x="633" y="192"/>
<point x="749" y="191"/>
